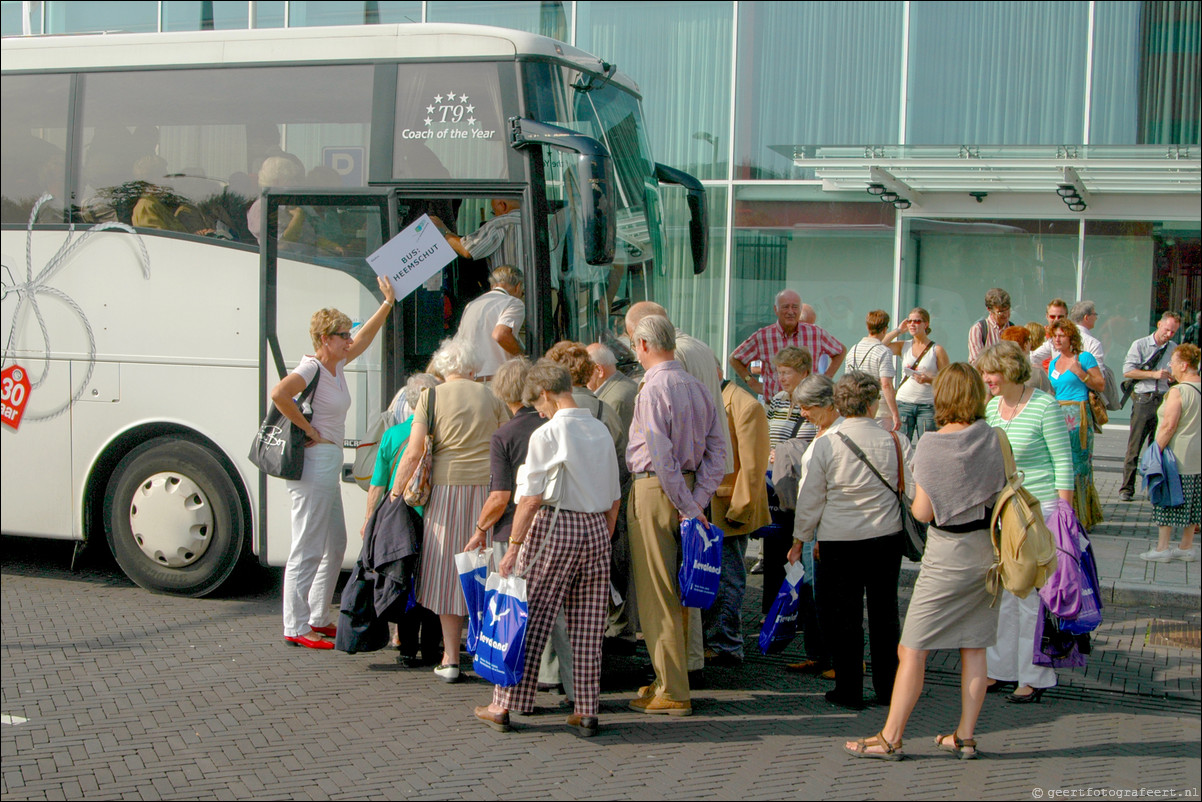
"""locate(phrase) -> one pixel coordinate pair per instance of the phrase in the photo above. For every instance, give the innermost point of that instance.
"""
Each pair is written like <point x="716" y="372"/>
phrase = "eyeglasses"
<point x="918" y="322"/>
<point x="346" y="335"/>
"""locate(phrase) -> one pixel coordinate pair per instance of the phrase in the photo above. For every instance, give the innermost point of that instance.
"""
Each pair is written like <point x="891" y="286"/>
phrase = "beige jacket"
<point x="740" y="504"/>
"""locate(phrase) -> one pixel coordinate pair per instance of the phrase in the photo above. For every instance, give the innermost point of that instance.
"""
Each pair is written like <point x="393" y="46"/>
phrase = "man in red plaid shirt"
<point x="787" y="330"/>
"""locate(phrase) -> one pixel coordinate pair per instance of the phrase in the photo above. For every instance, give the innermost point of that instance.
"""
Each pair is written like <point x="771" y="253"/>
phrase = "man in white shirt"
<point x="871" y="356"/>
<point x="1085" y="315"/>
<point x="491" y="322"/>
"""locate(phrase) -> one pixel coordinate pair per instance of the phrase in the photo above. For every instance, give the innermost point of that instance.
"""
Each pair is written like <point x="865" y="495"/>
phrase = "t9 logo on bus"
<point x="14" y="393"/>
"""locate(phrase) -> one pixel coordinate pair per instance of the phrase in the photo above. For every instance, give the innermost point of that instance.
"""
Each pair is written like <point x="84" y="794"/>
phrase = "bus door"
<point x="313" y="255"/>
<point x="432" y="312"/>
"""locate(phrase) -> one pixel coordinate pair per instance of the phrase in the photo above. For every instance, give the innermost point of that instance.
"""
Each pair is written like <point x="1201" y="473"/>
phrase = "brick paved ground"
<point x="139" y="696"/>
<point x="130" y="695"/>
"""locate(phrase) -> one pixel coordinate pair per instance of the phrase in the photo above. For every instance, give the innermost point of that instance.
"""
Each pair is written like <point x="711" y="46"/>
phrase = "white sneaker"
<point x="447" y="673"/>
<point x="1154" y="556"/>
<point x="1185" y="555"/>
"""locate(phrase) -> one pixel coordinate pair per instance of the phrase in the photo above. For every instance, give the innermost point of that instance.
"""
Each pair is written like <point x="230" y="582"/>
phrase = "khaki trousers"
<point x="654" y="527"/>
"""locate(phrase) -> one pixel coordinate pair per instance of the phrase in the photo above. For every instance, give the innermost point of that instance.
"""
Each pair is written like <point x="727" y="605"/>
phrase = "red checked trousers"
<point x="572" y="572"/>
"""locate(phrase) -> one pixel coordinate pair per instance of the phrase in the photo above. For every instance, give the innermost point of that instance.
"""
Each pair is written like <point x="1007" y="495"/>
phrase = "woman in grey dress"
<point x="958" y="472"/>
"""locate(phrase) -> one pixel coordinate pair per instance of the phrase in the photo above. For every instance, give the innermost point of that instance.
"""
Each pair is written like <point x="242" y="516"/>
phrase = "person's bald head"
<point x="640" y="310"/>
<point x="808" y="314"/>
<point x="788" y="309"/>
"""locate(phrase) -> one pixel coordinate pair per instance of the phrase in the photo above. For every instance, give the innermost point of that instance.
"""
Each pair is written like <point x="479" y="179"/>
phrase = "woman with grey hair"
<point x="856" y="520"/>
<point x="461" y="416"/>
<point x="417" y="626"/>
<point x="815" y="397"/>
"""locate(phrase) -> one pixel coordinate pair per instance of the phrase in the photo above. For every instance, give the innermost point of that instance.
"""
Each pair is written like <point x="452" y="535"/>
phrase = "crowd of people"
<point x="579" y="477"/>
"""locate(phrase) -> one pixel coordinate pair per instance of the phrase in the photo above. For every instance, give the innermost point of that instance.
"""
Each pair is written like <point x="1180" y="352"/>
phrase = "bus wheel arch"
<point x="172" y="508"/>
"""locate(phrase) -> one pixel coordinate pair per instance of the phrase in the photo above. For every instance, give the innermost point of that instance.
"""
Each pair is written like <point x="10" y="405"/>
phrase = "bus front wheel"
<point x="173" y="518"/>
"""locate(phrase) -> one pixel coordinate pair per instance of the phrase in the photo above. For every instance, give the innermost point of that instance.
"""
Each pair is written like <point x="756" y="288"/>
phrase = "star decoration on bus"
<point x="451" y="108"/>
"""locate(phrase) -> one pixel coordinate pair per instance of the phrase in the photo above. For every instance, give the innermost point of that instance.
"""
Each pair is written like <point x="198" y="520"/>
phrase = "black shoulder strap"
<point x="1150" y="362"/>
<point x="796" y="426"/>
<point x="600" y="407"/>
<point x="311" y="387"/>
<point x="855" y="449"/>
<point x="430" y="412"/>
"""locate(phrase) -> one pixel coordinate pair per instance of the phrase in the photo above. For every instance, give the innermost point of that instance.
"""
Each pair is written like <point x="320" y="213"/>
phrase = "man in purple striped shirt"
<point x="677" y="457"/>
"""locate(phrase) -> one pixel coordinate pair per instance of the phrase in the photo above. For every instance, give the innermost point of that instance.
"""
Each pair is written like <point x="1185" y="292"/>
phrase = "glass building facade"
<point x="787" y="111"/>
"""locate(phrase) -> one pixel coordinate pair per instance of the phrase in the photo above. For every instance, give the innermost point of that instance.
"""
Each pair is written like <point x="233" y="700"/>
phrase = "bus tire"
<point x="173" y="517"/>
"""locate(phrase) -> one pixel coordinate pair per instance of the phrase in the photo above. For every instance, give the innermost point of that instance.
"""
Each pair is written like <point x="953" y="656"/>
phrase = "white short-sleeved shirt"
<point x="493" y="308"/>
<point x="331" y="401"/>
<point x="582" y="444"/>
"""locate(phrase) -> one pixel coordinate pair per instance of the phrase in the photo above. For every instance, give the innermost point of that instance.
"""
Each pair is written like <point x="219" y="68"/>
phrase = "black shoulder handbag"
<point x="915" y="530"/>
<point x="279" y="445"/>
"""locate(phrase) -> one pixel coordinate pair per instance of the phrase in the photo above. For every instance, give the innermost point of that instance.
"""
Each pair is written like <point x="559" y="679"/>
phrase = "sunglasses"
<point x="346" y="335"/>
<point x="918" y="322"/>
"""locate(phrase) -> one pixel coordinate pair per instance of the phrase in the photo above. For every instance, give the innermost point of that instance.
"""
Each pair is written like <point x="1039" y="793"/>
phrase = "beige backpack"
<point x="1024" y="551"/>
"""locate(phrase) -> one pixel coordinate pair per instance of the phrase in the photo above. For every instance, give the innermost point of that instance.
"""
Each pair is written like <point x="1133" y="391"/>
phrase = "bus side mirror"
<point x="596" y="173"/>
<point x="699" y="227"/>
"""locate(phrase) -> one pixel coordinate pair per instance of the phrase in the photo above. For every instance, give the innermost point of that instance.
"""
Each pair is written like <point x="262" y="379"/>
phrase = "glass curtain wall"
<point x="1145" y="73"/>
<point x="952" y="263"/>
<point x="837" y="256"/>
<point x="547" y="18"/>
<point x="986" y="73"/>
<point x="814" y="74"/>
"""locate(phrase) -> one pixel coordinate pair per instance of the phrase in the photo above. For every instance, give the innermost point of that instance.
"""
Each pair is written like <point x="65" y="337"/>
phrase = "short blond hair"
<point x="1007" y="359"/>
<point x="960" y="395"/>
<point x="794" y="356"/>
<point x="325" y="322"/>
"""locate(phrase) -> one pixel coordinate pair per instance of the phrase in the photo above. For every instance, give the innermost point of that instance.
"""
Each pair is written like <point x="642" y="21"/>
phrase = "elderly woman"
<point x="856" y="519"/>
<point x="1073" y="373"/>
<point x="417" y="626"/>
<point x="1177" y="429"/>
<point x="785" y="420"/>
<point x="564" y="554"/>
<point x="921" y="359"/>
<point x="958" y="473"/>
<point x="318" y="525"/>
<point x="1034" y="424"/>
<point x="465" y="415"/>
<point x="816" y="397"/>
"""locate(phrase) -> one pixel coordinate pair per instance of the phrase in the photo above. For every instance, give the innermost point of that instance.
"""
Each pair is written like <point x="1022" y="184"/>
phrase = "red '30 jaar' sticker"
<point x="14" y="394"/>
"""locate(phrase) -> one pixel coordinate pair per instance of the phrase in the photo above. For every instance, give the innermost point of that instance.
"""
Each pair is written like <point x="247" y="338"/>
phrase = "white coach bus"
<point x="150" y="306"/>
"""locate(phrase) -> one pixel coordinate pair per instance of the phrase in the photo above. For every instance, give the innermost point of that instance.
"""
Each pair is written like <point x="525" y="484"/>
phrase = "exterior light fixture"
<point x="1077" y="206"/>
<point x="1065" y="190"/>
<point x="901" y="203"/>
<point x="889" y="197"/>
<point x="876" y="189"/>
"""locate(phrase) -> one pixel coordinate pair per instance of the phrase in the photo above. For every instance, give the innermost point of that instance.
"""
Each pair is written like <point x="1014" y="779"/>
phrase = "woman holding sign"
<point x="318" y="526"/>
<point x="566" y="566"/>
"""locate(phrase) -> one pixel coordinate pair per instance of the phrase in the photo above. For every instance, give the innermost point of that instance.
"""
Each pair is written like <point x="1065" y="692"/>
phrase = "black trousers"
<point x="846" y="572"/>
<point x="1143" y="429"/>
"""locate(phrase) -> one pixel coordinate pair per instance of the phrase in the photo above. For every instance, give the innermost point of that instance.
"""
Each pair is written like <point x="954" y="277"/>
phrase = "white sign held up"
<point x="412" y="256"/>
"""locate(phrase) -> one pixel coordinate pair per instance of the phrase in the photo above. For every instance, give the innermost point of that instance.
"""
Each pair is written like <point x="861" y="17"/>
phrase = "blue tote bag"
<point x="701" y="563"/>
<point x="780" y="625"/>
<point x="501" y="649"/>
<point x="473" y="573"/>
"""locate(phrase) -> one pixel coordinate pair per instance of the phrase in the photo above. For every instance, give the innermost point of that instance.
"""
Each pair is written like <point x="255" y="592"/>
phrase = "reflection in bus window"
<point x="33" y="140"/>
<point x="185" y="148"/>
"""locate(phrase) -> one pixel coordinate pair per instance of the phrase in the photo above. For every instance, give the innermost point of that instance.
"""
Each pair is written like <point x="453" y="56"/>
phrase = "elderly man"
<point x="610" y="384"/>
<point x="618" y="391"/>
<point x="491" y="322"/>
<point x="700" y="362"/>
<point x="499" y="240"/>
<point x="787" y="330"/>
<point x="988" y="330"/>
<point x="676" y="457"/>
<point x="1147" y="364"/>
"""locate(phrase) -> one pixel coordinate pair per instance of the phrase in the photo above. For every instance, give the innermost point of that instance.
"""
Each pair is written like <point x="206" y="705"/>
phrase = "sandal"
<point x="964" y="750"/>
<point x="892" y="751"/>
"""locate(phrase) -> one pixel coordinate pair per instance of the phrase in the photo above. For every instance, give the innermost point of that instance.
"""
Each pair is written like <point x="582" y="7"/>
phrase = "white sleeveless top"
<point x="913" y="392"/>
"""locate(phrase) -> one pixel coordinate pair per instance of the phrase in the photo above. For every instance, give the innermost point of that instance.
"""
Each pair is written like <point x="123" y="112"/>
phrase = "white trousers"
<point x="318" y="541"/>
<point x="1012" y="658"/>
